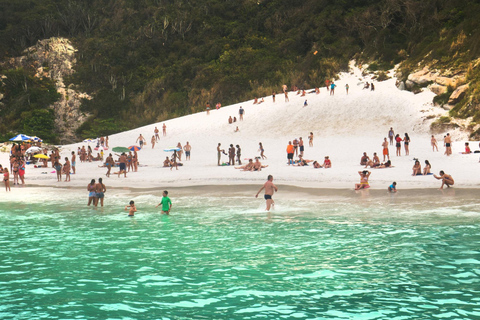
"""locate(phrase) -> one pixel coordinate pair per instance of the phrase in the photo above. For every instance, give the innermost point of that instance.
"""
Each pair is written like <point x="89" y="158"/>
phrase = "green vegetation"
<point x="150" y="60"/>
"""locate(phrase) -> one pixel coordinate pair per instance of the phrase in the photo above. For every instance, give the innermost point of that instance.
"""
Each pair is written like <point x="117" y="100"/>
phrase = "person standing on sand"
<point x="448" y="144"/>
<point x="406" y="142"/>
<point x="231" y="155"/>
<point x="219" y="154"/>
<point x="6" y="179"/>
<point x="286" y="96"/>
<point x="273" y="96"/>
<point x="166" y="203"/>
<point x="391" y="134"/>
<point x="157" y="136"/>
<point x="290" y="152"/>
<point x="262" y="150"/>
<point x="310" y="139"/>
<point x="446" y="179"/>
<point x="187" y="149"/>
<point x="141" y="140"/>
<point x="66" y="169"/>
<point x="241" y="111"/>
<point x="300" y="144"/>
<point x="346" y="88"/>
<point x="58" y="167"/>
<point x="270" y="188"/>
<point x="100" y="190"/>
<point x="398" y="145"/>
<point x="153" y="141"/>
<point x="295" y="146"/>
<point x="74" y="162"/>
<point x="332" y="88"/>
<point x="106" y="142"/>
<point x="123" y="165"/>
<point x="239" y="154"/>
<point x="164" y="130"/>
<point x="91" y="192"/>
<point x="433" y="141"/>
<point x="179" y="152"/>
<point x="109" y="163"/>
<point x="385" y="149"/>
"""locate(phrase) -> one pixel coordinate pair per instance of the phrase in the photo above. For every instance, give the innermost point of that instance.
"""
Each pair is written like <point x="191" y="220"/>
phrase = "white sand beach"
<point x="344" y="126"/>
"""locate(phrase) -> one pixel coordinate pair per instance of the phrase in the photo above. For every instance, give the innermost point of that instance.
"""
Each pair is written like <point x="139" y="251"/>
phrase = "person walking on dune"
<point x="270" y="188"/>
<point x="164" y="129"/>
<point x="332" y="88"/>
<point x="262" y="150"/>
<point x="241" y="111"/>
<point x="433" y="141"/>
<point x="391" y="135"/>
<point x="157" y="136"/>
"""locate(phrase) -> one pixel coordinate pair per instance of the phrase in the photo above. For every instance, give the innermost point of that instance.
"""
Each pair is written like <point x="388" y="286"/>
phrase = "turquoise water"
<point x="349" y="256"/>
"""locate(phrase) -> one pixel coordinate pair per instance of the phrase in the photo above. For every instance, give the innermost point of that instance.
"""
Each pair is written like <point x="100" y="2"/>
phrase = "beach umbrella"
<point x="120" y="149"/>
<point x="90" y="140"/>
<point x="33" y="149"/>
<point x="35" y="138"/>
<point x="41" y="156"/>
<point x="134" y="148"/>
<point x="172" y="149"/>
<point x="20" y="137"/>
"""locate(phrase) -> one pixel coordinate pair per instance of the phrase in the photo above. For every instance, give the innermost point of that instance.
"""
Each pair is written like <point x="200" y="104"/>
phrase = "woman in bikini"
<point x="91" y="192"/>
<point x="16" y="167"/>
<point x="417" y="168"/>
<point x="426" y="169"/>
<point x="260" y="148"/>
<point x="433" y="141"/>
<point x="6" y="179"/>
<point x="364" y="175"/>
<point x="406" y="142"/>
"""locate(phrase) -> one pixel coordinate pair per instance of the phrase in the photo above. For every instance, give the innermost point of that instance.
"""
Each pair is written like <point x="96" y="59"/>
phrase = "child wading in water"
<point x="166" y="203"/>
<point x="132" y="210"/>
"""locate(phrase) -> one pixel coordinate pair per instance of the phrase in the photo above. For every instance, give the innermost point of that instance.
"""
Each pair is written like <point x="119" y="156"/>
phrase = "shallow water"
<point x="319" y="255"/>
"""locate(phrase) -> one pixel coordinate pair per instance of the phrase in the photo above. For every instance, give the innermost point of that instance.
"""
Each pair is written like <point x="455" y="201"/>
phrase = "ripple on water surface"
<point x="320" y="260"/>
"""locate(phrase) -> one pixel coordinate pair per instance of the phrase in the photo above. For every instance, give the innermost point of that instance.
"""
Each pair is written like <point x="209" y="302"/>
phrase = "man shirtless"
<point x="448" y="144"/>
<point x="270" y="188"/>
<point x="100" y="190"/>
<point x="123" y="165"/>
<point x="187" y="149"/>
<point x="446" y="179"/>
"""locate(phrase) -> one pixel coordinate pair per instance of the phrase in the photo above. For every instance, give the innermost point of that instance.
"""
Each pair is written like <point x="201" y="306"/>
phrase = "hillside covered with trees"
<point x="144" y="61"/>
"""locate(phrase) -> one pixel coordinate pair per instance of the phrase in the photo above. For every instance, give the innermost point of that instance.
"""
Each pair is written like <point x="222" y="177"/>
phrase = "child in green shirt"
<point x="166" y="203"/>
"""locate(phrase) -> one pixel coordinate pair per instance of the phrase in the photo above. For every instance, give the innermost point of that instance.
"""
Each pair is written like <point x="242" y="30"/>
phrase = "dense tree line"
<point x="149" y="60"/>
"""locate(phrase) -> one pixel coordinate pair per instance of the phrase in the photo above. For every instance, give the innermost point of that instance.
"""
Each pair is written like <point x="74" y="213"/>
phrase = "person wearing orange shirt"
<point x="290" y="151"/>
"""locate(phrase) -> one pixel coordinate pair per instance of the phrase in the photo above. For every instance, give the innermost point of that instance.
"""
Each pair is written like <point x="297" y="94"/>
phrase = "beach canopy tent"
<point x="33" y="150"/>
<point x="21" y="137"/>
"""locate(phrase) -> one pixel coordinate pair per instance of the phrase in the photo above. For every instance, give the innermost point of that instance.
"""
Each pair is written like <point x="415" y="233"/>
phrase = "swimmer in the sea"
<point x="270" y="188"/>
<point x="131" y="209"/>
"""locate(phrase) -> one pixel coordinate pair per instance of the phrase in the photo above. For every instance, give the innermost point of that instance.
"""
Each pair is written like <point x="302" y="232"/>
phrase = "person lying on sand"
<point x="387" y="164"/>
<point x="316" y="165"/>
<point x="247" y="167"/>
<point x="302" y="162"/>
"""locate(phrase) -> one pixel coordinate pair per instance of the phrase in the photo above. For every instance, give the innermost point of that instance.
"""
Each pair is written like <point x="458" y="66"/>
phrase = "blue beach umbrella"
<point x="20" y="137"/>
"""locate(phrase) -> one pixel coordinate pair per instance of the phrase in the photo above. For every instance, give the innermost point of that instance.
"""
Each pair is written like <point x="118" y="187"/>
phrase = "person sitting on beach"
<point x="167" y="163"/>
<point x="234" y="119"/>
<point x="327" y="163"/>
<point x="367" y="86"/>
<point x="230" y="120"/>
<point x="255" y="101"/>
<point x="467" y="149"/>
<point x="261" y="101"/>
<point x="392" y="187"/>
<point x="426" y="169"/>
<point x="364" y="175"/>
<point x="257" y="166"/>
<point x="364" y="159"/>
<point x="417" y="168"/>
<point x="97" y="158"/>
<point x="446" y="179"/>
<point x="316" y="165"/>
<point x="236" y="129"/>
<point x="373" y="163"/>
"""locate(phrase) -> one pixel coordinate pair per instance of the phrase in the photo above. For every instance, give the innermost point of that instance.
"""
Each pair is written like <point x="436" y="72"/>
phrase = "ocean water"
<point x="318" y="255"/>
